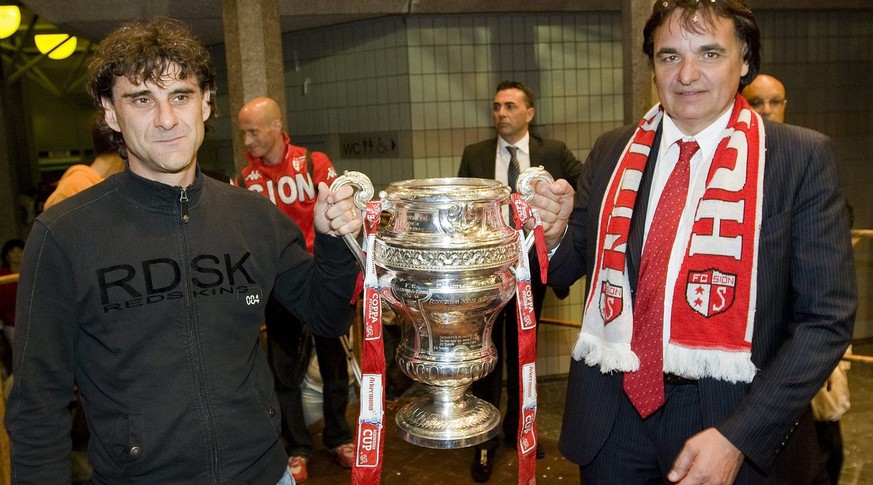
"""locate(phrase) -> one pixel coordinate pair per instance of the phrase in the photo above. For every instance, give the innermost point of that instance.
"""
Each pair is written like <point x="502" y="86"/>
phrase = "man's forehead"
<point x="702" y="24"/>
<point x="167" y="80"/>
<point x="511" y="95"/>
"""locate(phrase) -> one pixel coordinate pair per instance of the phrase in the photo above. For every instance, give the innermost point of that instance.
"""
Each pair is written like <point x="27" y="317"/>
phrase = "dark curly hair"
<point x="745" y="27"/>
<point x="142" y="52"/>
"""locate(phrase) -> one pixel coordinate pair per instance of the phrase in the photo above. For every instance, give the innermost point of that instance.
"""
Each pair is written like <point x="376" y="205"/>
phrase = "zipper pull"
<point x="184" y="200"/>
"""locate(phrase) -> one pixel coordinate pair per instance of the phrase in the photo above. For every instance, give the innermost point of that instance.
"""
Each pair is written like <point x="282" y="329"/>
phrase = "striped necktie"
<point x="514" y="169"/>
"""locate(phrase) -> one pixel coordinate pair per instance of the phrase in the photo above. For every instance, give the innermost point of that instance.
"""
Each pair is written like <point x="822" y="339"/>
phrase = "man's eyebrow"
<point x="136" y="94"/>
<point x="144" y="92"/>
<point x="711" y="47"/>
<point x="666" y="50"/>
<point x="182" y="90"/>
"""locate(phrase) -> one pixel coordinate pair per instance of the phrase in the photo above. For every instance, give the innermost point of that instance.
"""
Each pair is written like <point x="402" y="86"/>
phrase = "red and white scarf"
<point x="709" y="332"/>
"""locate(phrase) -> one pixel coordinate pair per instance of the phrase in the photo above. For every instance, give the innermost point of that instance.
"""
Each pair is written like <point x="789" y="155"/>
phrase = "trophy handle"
<point x="363" y="193"/>
<point x="525" y="186"/>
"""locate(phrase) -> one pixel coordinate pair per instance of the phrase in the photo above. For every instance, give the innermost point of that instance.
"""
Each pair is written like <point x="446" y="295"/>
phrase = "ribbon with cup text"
<point x="527" y="340"/>
<point x="371" y="427"/>
<point x="367" y="469"/>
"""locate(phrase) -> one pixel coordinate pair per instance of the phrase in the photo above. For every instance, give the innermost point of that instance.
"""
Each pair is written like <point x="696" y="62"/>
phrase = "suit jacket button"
<point x="135" y="451"/>
<point x="271" y="412"/>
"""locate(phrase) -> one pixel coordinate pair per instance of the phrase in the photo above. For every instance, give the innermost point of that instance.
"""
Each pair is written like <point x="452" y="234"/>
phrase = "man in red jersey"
<point x="289" y="175"/>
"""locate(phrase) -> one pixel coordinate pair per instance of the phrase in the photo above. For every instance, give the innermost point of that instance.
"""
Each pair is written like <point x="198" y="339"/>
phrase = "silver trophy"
<point x="445" y="264"/>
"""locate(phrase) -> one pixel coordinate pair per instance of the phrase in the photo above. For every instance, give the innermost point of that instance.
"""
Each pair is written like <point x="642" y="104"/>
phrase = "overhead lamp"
<point x="55" y="46"/>
<point x="10" y="19"/>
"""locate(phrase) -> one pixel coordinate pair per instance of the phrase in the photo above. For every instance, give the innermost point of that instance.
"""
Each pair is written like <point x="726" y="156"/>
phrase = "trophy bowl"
<point x="445" y="263"/>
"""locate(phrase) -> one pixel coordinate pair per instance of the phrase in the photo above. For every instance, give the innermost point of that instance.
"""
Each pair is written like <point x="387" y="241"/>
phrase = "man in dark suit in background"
<point x="753" y="299"/>
<point x="512" y="110"/>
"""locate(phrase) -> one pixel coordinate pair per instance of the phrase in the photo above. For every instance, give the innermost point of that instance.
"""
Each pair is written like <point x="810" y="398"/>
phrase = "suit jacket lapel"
<point x="638" y="220"/>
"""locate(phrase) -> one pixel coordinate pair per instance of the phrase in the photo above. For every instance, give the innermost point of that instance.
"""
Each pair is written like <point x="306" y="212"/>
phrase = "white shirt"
<point x="501" y="160"/>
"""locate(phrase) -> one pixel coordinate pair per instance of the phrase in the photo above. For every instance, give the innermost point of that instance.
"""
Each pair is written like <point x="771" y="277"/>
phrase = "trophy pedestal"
<point x="443" y="420"/>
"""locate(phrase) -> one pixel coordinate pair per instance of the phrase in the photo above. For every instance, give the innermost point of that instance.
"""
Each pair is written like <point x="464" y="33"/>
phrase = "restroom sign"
<point x="381" y="144"/>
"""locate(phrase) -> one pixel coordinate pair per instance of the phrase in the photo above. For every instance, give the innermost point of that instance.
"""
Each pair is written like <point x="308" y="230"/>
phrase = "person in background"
<point x="10" y="257"/>
<point x="503" y="158"/>
<point x="79" y="177"/>
<point x="288" y="175"/>
<point x="719" y="266"/>
<point x="766" y="95"/>
<point x="148" y="291"/>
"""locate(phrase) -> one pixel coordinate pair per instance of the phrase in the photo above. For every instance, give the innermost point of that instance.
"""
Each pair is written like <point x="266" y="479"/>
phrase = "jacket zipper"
<point x="206" y="405"/>
<point x="183" y="199"/>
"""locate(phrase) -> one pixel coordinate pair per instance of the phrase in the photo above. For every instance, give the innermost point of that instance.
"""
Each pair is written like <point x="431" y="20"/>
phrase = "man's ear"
<point x="109" y="114"/>
<point x="206" y="108"/>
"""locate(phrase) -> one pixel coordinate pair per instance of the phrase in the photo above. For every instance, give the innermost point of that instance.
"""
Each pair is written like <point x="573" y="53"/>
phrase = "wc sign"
<point x="369" y="145"/>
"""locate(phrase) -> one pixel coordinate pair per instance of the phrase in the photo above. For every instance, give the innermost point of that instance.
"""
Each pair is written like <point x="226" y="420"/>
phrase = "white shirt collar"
<point x="708" y="138"/>
<point x="523" y="144"/>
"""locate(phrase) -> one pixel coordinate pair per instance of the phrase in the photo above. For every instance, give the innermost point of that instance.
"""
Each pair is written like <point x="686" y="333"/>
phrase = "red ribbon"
<point x="367" y="469"/>
<point x="527" y="340"/>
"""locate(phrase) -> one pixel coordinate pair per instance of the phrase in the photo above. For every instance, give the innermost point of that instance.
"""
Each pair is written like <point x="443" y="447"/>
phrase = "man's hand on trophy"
<point x="555" y="203"/>
<point x="336" y="213"/>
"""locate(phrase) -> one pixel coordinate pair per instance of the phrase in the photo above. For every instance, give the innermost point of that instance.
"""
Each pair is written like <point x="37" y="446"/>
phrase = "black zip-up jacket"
<point x="150" y="298"/>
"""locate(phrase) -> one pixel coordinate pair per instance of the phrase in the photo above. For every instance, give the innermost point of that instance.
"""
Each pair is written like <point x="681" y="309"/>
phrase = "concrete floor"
<point x="408" y="464"/>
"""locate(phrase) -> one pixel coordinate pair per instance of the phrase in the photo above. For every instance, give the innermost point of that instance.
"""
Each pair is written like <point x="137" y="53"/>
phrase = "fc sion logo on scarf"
<point x="710" y="292"/>
<point x="611" y="302"/>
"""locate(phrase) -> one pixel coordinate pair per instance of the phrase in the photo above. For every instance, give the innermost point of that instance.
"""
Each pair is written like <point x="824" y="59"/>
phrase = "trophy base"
<point x="447" y="425"/>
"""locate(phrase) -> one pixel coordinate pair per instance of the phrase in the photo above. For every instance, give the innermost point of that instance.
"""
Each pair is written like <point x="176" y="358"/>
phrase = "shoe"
<point x="344" y="454"/>
<point x="483" y="463"/>
<point x="297" y="467"/>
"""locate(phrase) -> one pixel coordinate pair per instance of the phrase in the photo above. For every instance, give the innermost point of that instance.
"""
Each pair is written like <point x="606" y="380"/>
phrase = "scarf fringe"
<point x="609" y="356"/>
<point x="731" y="366"/>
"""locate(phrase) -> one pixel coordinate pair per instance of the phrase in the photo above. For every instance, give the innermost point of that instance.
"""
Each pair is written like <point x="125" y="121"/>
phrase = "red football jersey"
<point x="291" y="184"/>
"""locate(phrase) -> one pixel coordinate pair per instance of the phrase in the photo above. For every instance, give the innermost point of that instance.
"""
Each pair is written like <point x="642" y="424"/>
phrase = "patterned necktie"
<point x="645" y="387"/>
<point x="514" y="169"/>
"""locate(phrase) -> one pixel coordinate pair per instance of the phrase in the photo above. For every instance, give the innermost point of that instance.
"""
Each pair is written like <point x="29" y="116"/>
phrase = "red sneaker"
<point x="344" y="454"/>
<point x="297" y="467"/>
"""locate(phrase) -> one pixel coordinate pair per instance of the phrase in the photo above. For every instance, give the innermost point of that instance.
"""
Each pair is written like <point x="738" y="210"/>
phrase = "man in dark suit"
<point x="717" y="399"/>
<point x="512" y="110"/>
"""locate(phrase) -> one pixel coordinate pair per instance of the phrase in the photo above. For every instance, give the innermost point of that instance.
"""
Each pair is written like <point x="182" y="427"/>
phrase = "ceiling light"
<point x="10" y="19"/>
<point x="56" y="46"/>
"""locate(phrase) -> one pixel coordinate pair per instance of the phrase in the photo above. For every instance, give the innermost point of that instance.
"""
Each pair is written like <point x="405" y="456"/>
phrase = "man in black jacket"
<point x="503" y="158"/>
<point x="148" y="292"/>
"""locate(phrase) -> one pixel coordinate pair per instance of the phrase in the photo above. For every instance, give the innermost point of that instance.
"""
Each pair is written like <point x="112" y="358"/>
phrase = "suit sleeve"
<point x="570" y="261"/>
<point x="37" y="416"/>
<point x="805" y="328"/>
<point x="575" y="254"/>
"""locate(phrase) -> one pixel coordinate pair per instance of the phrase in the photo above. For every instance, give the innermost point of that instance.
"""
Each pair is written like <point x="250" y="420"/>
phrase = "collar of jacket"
<point x="157" y="196"/>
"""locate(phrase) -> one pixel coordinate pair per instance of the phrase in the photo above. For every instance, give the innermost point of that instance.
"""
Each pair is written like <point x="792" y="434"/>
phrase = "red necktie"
<point x="645" y="387"/>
